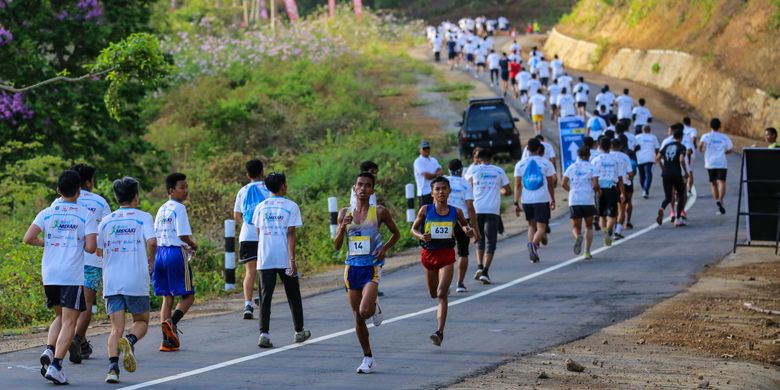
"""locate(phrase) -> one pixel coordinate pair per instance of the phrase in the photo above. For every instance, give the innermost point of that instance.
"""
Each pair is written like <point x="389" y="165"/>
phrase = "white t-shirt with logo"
<point x="716" y="144"/>
<point x="605" y="99"/>
<point x="624" y="106"/>
<point x="534" y="85"/>
<point x="541" y="194"/>
<point x="566" y="105"/>
<point x="642" y="115"/>
<point x="428" y="165"/>
<point x="522" y="80"/>
<point x="624" y="165"/>
<point x="595" y="134"/>
<point x="607" y="169"/>
<point x="565" y="82"/>
<point x="581" y="91"/>
<point x="648" y="145"/>
<point x="554" y="90"/>
<point x="272" y="217"/>
<point x="460" y="192"/>
<point x="65" y="226"/>
<point x="171" y="223"/>
<point x="248" y="231"/>
<point x="486" y="182"/>
<point x="581" y="175"/>
<point x="122" y="236"/>
<point x="557" y="67"/>
<point x="543" y="69"/>
<point x="537" y="102"/>
<point x="98" y="206"/>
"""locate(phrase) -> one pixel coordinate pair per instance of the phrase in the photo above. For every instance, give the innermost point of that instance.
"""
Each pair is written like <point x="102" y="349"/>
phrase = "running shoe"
<point x="56" y="375"/>
<point x="617" y="237"/>
<point x="264" y="342"/>
<point x="478" y="274"/>
<point x="629" y="226"/>
<point x="533" y="254"/>
<point x="437" y="337"/>
<point x="301" y="336"/>
<point x="588" y="256"/>
<point x="380" y="293"/>
<point x="659" y="219"/>
<point x="74" y="350"/>
<point x="126" y="349"/>
<point x="645" y="195"/>
<point x="461" y="288"/>
<point x="544" y="241"/>
<point x="46" y="358"/>
<point x="168" y="346"/>
<point x="683" y="215"/>
<point x="721" y="209"/>
<point x="378" y="316"/>
<point x="86" y="350"/>
<point x="671" y="215"/>
<point x="249" y="312"/>
<point x="171" y="332"/>
<point x="367" y="365"/>
<point x="578" y="245"/>
<point x="679" y="223"/>
<point x="485" y="279"/>
<point x="113" y="375"/>
<point x="608" y="238"/>
<point x="596" y="227"/>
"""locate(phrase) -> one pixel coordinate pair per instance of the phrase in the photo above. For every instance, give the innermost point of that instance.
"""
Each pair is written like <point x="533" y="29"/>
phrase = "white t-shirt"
<point x="624" y="106"/>
<point x="486" y="182"/>
<point x="566" y="105"/>
<point x="581" y="175"/>
<point x="248" y="231"/>
<point x="537" y="102"/>
<point x="272" y="218"/>
<point x="549" y="152"/>
<point x="565" y="82"/>
<point x="492" y="60"/>
<point x="624" y="167"/>
<point x="554" y="90"/>
<point x="541" y="194"/>
<point x="557" y="67"/>
<point x="607" y="169"/>
<point x="648" y="145"/>
<point x="171" y="223"/>
<point x="543" y="68"/>
<point x="522" y="80"/>
<point x="716" y="144"/>
<point x="642" y="115"/>
<point x="596" y="125"/>
<point x="689" y="134"/>
<point x="460" y="192"/>
<point x="534" y="85"/>
<point x="122" y="236"/>
<point x="98" y="206"/>
<point x="605" y="99"/>
<point x="581" y="91"/>
<point x="631" y="138"/>
<point x="428" y="165"/>
<point x="65" y="226"/>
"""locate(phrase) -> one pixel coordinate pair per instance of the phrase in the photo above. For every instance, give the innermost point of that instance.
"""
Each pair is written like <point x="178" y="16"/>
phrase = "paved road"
<point x="528" y="308"/>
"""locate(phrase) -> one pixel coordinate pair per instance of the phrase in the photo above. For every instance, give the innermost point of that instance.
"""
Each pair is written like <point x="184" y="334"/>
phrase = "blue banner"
<point x="572" y="131"/>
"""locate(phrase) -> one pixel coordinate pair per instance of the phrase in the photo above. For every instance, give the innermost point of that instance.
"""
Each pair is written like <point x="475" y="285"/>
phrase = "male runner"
<point x="172" y="274"/>
<point x="537" y="104"/>
<point x="596" y="125"/>
<point x="619" y="144"/>
<point x="647" y="147"/>
<point x="247" y="199"/>
<point x="360" y="226"/>
<point x="554" y="90"/>
<point x="557" y="67"/>
<point x="127" y="243"/>
<point x="690" y="141"/>
<point x="581" y="91"/>
<point x="611" y="190"/>
<point x="493" y="63"/>
<point x="672" y="161"/>
<point x="435" y="227"/>
<point x="625" y="105"/>
<point x="426" y="168"/>
<point x="520" y="84"/>
<point x="581" y="180"/>
<point x="503" y="64"/>
<point x="566" y="103"/>
<point x="543" y="70"/>
<point x="70" y="231"/>
<point x="535" y="188"/>
<point x="462" y="197"/>
<point x="715" y="146"/>
<point x="641" y="116"/>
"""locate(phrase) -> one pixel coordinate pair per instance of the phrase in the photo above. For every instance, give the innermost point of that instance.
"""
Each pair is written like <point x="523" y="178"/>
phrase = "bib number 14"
<point x="359" y="245"/>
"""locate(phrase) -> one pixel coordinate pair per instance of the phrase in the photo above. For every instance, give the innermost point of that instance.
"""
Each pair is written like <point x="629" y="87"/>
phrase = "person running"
<point x="493" y="63"/>
<point x="70" y="230"/>
<point x="489" y="183"/>
<point x="641" y="116"/>
<point x="548" y="152"/>
<point x="624" y="220"/>
<point x="535" y="188"/>
<point x="514" y="70"/>
<point x="690" y="141"/>
<point x="554" y="90"/>
<point x="277" y="220"/>
<point x="534" y="84"/>
<point x="581" y="181"/>
<point x="715" y="146"/>
<point x="581" y="92"/>
<point x="436" y="46"/>
<point x="647" y="147"/>
<point x="625" y="105"/>
<point x="770" y="136"/>
<point x="172" y="273"/>
<point x="503" y="64"/>
<point x="611" y="190"/>
<point x="481" y="58"/>
<point x="359" y="227"/>
<point x="522" y="80"/>
<point x="462" y="197"/>
<point x="543" y="70"/>
<point x="426" y="168"/>
<point x="435" y="227"/>
<point x="566" y="103"/>
<point x="370" y="167"/>
<point x="247" y="199"/>
<point x="672" y="161"/>
<point x="452" y="51"/>
<point x="126" y="273"/>
<point x="557" y="67"/>
<point x="565" y="81"/>
<point x="537" y="104"/>
<point x="606" y="99"/>
<point x="595" y="126"/>
<point x="80" y="348"/>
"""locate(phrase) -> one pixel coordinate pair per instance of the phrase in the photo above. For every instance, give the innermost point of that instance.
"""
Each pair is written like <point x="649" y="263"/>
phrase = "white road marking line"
<point x="690" y="203"/>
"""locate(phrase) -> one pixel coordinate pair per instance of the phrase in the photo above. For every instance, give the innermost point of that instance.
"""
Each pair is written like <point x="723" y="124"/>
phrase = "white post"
<point x="333" y="209"/>
<point x="230" y="254"/>
<point x="410" y="214"/>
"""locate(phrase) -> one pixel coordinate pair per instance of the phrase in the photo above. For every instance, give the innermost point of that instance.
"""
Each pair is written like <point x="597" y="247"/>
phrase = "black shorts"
<point x="513" y="80"/>
<point x="482" y="64"/>
<point x="628" y="188"/>
<point x="71" y="297"/>
<point x="717" y="174"/>
<point x="462" y="242"/>
<point x="452" y="55"/>
<point x="523" y="92"/>
<point x="470" y="57"/>
<point x="577" y="212"/>
<point x="539" y="212"/>
<point x="247" y="251"/>
<point x="544" y="80"/>
<point x="553" y="107"/>
<point x="608" y="201"/>
<point x="582" y="104"/>
<point x="504" y="76"/>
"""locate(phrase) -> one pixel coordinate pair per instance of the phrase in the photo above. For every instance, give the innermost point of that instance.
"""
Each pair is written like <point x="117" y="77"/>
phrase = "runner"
<point x="548" y="152"/>
<point x="481" y="58"/>
<point x="672" y="161"/>
<point x="581" y="180"/>
<point x="247" y="199"/>
<point x="537" y="104"/>
<point x="426" y="168"/>
<point x="70" y="230"/>
<point x="172" y="273"/>
<point x="606" y="99"/>
<point x="557" y="67"/>
<point x="690" y="140"/>
<point x="452" y="51"/>
<point x="625" y="105"/>
<point x="566" y="103"/>
<point x="647" y="147"/>
<point x="715" y="146"/>
<point x="641" y="116"/>
<point x="127" y="244"/>
<point x="565" y="81"/>
<point x="503" y="64"/>
<point x="360" y="225"/>
<point x="581" y="91"/>
<point x="534" y="85"/>
<point x="370" y="167"/>
<point x="521" y="84"/>
<point x="611" y="190"/>
<point x="629" y="186"/>
<point x="277" y="220"/>
<point x="439" y="223"/>
<point x="770" y="136"/>
<point x="543" y="70"/>
<point x="535" y="188"/>
<point x="436" y="46"/>
<point x="554" y="90"/>
<point x="489" y="183"/>
<point x="462" y="197"/>
<point x="493" y="60"/>
<point x="595" y="126"/>
<point x="80" y="348"/>
<point x="514" y="70"/>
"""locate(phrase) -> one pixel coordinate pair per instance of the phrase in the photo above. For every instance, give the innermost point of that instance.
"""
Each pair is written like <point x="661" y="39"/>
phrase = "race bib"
<point x="359" y="245"/>
<point x="441" y="230"/>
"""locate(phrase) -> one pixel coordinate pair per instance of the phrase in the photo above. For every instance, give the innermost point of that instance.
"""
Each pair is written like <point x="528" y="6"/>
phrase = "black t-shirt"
<point x="670" y="156"/>
<point x="451" y="46"/>
<point x="504" y="65"/>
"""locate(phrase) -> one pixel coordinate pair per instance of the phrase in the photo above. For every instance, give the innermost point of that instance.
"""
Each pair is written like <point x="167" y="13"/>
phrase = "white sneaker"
<point x="367" y="365"/>
<point x="378" y="316"/>
<point x="46" y="358"/>
<point x="56" y="376"/>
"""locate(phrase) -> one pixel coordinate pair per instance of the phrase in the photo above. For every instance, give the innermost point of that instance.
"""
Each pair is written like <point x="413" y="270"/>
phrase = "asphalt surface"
<point x="529" y="307"/>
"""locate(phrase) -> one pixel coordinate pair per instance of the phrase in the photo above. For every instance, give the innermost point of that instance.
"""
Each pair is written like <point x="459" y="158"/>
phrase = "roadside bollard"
<point x="230" y="254"/>
<point x="333" y="209"/>
<point x="410" y="214"/>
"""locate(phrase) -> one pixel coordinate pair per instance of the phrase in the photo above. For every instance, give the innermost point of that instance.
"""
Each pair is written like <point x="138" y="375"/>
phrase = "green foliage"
<point x="776" y="15"/>
<point x="656" y="68"/>
<point x="595" y="58"/>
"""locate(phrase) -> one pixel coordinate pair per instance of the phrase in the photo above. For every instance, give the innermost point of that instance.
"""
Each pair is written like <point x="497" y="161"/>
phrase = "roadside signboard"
<point x="572" y="132"/>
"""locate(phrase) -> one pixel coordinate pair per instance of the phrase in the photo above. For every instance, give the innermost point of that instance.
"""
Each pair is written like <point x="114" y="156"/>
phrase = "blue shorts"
<point x="92" y="277"/>
<point x="129" y="303"/>
<point x="172" y="274"/>
<point x="357" y="277"/>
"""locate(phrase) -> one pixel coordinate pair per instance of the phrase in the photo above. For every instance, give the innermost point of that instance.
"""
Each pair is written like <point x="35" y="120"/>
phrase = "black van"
<point x="488" y="123"/>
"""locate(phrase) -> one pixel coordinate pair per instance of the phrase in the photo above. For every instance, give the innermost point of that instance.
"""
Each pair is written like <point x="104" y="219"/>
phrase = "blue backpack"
<point x="596" y="125"/>
<point x="253" y="198"/>
<point x="533" y="179"/>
